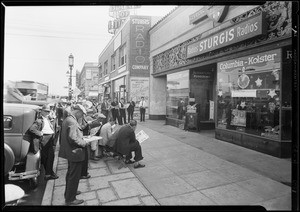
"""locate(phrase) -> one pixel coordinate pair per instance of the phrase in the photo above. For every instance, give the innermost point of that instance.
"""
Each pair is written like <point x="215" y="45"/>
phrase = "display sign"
<point x="139" y="86"/>
<point x="238" y="117"/>
<point x="201" y="75"/>
<point x="247" y="29"/>
<point x="140" y="43"/>
<point x="211" y="109"/>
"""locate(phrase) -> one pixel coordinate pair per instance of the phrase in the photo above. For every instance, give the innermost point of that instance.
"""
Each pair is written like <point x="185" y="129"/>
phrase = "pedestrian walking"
<point x="142" y="107"/>
<point x="122" y="110"/>
<point x="130" y="110"/>
<point x="72" y="149"/>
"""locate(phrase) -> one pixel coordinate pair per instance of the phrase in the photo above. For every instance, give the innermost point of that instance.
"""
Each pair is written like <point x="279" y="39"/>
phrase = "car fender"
<point x="9" y="159"/>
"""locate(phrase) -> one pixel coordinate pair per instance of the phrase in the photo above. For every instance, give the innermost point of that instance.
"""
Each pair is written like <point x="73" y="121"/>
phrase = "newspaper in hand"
<point x="141" y="136"/>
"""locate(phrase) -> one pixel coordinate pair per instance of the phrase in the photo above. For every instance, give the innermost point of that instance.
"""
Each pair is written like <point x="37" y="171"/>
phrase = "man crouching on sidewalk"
<point x="126" y="143"/>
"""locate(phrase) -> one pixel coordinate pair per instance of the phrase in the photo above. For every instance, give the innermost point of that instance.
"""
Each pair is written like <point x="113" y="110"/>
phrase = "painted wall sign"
<point x="247" y="29"/>
<point x="256" y="62"/>
<point x="198" y="16"/>
<point x="140" y="44"/>
<point x="217" y="13"/>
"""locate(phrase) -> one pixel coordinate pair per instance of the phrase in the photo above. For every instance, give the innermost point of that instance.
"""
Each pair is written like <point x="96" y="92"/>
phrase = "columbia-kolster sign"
<point x="247" y="29"/>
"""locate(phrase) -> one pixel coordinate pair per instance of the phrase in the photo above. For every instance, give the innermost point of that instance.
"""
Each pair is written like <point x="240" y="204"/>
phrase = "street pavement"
<point x="182" y="168"/>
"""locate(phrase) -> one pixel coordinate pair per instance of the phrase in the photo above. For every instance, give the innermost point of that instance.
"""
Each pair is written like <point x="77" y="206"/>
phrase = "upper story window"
<point x="122" y="55"/>
<point x="100" y="71"/>
<point x="105" y="68"/>
<point x="113" y="62"/>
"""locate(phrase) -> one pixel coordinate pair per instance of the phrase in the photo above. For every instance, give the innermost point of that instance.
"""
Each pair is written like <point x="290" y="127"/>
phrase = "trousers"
<point x="137" y="149"/>
<point x="47" y="154"/>
<point x="72" y="180"/>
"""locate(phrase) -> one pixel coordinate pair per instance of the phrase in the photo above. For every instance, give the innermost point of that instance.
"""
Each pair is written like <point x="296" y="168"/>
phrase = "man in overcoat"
<point x="72" y="149"/>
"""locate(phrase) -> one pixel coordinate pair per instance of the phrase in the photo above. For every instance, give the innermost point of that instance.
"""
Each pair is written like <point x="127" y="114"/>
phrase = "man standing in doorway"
<point x="142" y="106"/>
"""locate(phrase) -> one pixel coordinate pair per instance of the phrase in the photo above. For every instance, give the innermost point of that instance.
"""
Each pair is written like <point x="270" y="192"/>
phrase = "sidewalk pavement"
<point x="182" y="168"/>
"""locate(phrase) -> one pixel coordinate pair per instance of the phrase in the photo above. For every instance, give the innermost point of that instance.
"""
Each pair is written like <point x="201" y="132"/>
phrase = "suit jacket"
<point x="125" y="136"/>
<point x="34" y="135"/>
<point x="72" y="143"/>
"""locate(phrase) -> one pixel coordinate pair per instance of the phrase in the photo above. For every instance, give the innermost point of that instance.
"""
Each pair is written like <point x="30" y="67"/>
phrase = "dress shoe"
<point x="78" y="192"/>
<point x="85" y="177"/>
<point x="129" y="162"/>
<point x="50" y="177"/>
<point x="75" y="202"/>
<point x="54" y="175"/>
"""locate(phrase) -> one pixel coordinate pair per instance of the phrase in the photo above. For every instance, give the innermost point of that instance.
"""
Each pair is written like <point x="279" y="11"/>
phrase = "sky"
<point x="39" y="39"/>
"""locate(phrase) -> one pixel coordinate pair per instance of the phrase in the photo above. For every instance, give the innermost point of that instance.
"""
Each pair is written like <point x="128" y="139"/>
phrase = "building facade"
<point x="88" y="81"/>
<point x="124" y="66"/>
<point x="235" y="63"/>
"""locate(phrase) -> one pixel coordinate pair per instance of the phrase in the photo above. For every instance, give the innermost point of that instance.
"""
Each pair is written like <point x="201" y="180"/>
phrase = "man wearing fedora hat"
<point x="43" y="130"/>
<point x="72" y="148"/>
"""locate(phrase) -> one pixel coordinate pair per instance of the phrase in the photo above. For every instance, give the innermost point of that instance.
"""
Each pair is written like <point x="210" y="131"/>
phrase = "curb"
<point x="47" y="198"/>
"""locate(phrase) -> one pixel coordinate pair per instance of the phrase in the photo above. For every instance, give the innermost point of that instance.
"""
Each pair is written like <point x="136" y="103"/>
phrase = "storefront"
<point x="234" y="77"/>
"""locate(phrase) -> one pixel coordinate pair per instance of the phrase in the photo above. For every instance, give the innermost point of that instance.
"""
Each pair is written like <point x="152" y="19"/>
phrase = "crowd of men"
<point x="70" y="122"/>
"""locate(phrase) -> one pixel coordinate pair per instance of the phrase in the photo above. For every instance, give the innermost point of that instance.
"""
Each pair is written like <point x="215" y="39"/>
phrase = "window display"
<point x="249" y="95"/>
<point x="177" y="94"/>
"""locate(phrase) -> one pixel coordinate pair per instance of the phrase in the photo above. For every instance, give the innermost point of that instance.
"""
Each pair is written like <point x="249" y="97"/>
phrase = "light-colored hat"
<point x="46" y="107"/>
<point x="99" y="115"/>
<point x="80" y="107"/>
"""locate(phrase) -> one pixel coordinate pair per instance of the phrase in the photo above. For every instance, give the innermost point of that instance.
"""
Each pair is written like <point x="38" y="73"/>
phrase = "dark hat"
<point x="46" y="107"/>
<point x="80" y="107"/>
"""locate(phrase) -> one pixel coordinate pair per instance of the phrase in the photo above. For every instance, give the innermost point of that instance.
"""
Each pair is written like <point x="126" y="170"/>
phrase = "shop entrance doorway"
<point x="202" y="90"/>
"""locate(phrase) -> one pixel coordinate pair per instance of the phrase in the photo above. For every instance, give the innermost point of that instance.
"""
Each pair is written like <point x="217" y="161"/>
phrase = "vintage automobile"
<point x="20" y="163"/>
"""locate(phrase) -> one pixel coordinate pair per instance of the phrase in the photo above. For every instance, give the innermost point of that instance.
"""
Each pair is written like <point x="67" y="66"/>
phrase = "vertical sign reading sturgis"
<point x="140" y="45"/>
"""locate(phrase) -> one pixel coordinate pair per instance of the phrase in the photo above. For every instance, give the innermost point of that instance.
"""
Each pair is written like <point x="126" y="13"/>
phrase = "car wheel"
<point x="9" y="159"/>
<point x="33" y="182"/>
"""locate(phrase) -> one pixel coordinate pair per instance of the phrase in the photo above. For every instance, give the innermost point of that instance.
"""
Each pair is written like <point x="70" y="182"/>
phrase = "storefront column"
<point x="157" y="104"/>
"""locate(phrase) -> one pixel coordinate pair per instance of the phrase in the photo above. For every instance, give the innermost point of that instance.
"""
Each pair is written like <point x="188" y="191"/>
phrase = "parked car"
<point x="20" y="163"/>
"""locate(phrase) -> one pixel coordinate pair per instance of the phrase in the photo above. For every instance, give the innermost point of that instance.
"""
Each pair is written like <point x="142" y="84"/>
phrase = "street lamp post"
<point x="71" y="63"/>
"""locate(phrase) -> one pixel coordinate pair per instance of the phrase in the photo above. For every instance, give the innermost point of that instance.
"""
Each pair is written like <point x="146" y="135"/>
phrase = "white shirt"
<point x="47" y="128"/>
<point x="142" y="103"/>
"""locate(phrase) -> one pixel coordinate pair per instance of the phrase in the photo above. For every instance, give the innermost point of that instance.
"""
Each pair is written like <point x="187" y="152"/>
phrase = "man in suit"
<point x="126" y="143"/>
<point x="42" y="131"/>
<point x="130" y="110"/>
<point x="72" y="149"/>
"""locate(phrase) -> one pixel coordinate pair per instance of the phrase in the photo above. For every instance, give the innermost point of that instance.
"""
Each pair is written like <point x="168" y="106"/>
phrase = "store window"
<point x="122" y="55"/>
<point x="100" y="72"/>
<point x="248" y="94"/>
<point x="105" y="68"/>
<point x="177" y="94"/>
<point x="113" y="63"/>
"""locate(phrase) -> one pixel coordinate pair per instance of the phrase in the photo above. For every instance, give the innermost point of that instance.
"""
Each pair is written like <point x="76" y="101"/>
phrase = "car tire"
<point x="9" y="159"/>
<point x="33" y="182"/>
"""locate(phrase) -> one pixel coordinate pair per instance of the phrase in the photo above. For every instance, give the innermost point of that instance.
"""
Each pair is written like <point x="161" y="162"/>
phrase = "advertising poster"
<point x="238" y="117"/>
<point x="139" y="86"/>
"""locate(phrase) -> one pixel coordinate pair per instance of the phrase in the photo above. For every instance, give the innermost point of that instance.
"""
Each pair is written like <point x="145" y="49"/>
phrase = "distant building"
<point x="124" y="65"/>
<point x="88" y="81"/>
